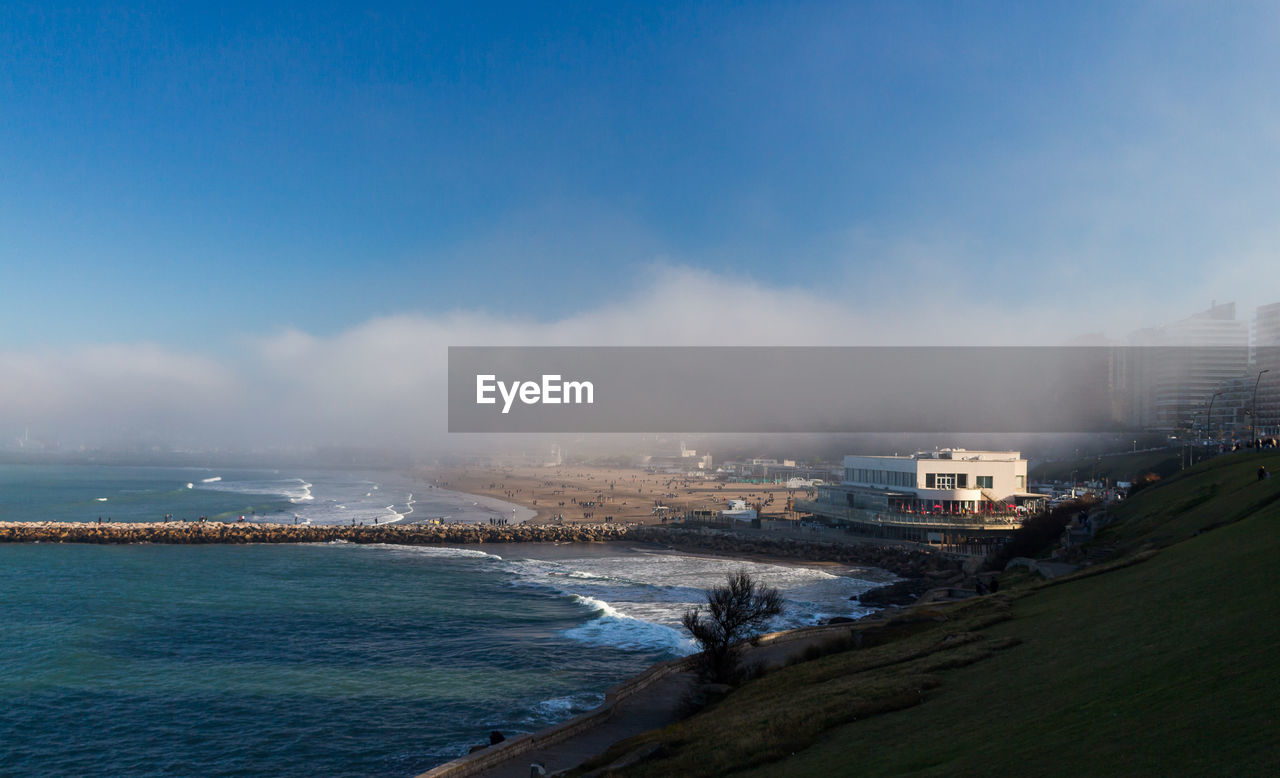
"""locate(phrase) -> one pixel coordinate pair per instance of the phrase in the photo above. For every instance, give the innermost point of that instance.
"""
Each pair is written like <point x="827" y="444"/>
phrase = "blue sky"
<point x="191" y="176"/>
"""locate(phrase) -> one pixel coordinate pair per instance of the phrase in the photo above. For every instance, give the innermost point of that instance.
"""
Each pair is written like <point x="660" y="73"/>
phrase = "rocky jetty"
<point x="196" y="532"/>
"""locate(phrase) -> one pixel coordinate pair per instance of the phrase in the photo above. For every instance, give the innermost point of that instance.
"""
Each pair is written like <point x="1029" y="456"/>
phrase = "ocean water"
<point x="333" y="659"/>
<point x="308" y="496"/>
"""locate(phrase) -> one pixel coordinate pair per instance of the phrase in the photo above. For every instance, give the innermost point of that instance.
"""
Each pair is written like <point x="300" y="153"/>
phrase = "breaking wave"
<point x="636" y="600"/>
<point x="612" y="627"/>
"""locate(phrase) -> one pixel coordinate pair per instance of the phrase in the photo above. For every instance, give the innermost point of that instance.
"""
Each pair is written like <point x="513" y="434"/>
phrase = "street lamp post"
<point x="1208" y="422"/>
<point x="1253" y="420"/>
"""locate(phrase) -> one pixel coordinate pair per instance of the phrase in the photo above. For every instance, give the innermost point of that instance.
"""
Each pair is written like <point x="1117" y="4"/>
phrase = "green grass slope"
<point x="1166" y="666"/>
<point x="1211" y="494"/>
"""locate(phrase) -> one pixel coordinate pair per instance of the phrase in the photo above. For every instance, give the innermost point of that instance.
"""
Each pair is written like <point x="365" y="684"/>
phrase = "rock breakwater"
<point x="183" y="532"/>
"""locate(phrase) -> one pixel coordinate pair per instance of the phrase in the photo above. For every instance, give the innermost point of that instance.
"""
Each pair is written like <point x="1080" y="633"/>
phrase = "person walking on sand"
<point x="1262" y="473"/>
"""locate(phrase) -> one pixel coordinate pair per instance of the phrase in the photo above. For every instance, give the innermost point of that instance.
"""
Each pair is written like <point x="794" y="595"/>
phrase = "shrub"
<point x="735" y="612"/>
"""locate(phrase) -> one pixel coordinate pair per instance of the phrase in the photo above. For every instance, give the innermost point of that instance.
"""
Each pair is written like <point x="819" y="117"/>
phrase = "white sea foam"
<point x="338" y="499"/>
<point x="638" y="599"/>
<point x="302" y="494"/>
<point x="293" y="489"/>
<point x="573" y="703"/>
<point x="604" y="608"/>
<point x="614" y="628"/>
<point x="561" y="708"/>
<point x="190" y="485"/>
<point x="435" y="551"/>
<point x="392" y="515"/>
<point x="102" y="499"/>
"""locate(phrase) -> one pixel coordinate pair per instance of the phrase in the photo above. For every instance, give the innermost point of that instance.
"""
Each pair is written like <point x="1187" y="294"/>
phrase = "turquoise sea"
<point x="323" y="659"/>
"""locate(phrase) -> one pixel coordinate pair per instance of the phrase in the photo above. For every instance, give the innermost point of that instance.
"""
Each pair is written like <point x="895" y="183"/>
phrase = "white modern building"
<point x="952" y="496"/>
<point x="947" y="481"/>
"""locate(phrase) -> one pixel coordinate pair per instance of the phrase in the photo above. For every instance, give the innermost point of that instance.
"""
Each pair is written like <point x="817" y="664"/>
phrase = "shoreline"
<point x="517" y="513"/>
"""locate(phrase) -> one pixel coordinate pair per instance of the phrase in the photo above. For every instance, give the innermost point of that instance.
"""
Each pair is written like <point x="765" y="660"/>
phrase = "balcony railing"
<point x="895" y="519"/>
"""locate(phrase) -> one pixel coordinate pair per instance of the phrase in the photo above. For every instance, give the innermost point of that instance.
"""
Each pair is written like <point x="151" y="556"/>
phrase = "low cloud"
<point x="382" y="383"/>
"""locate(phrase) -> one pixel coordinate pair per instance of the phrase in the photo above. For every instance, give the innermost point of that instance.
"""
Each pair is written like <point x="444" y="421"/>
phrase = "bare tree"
<point x="735" y="612"/>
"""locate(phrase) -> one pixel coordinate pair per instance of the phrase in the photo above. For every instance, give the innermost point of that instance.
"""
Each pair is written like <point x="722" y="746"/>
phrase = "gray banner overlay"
<point x="837" y="389"/>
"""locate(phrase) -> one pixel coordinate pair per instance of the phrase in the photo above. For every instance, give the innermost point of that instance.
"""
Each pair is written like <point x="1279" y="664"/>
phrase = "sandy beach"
<point x="582" y="494"/>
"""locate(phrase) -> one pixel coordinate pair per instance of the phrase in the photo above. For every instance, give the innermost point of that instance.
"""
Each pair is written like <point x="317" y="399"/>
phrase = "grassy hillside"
<point x="1165" y="663"/>
<point x="1211" y="494"/>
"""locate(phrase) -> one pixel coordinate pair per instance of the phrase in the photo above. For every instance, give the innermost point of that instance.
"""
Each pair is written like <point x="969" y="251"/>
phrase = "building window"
<point x="986" y="481"/>
<point x="945" y="481"/>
